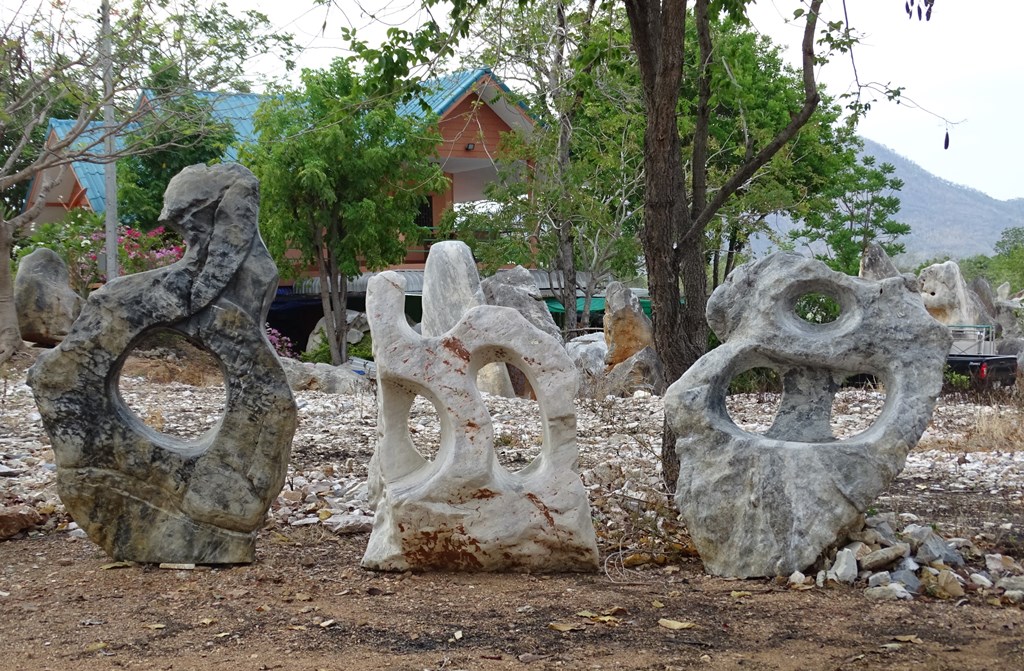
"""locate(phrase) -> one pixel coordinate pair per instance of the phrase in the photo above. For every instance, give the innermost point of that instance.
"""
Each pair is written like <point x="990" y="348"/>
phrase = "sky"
<point x="962" y="71"/>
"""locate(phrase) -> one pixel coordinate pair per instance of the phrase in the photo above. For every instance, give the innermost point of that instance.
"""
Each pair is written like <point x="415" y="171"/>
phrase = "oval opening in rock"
<point x="424" y="428"/>
<point x="173" y="385"/>
<point x="817" y="308"/>
<point x="754" y="398"/>
<point x="517" y="425"/>
<point x="857" y="406"/>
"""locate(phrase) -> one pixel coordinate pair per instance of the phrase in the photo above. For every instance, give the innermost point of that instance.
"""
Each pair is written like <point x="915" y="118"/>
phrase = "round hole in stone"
<point x="424" y="428"/>
<point x="518" y="432"/>
<point x="856" y="406"/>
<point x="817" y="308"/>
<point x="173" y="385"/>
<point x="754" y="399"/>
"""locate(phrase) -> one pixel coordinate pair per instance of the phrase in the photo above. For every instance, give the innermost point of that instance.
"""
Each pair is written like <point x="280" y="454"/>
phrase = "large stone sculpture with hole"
<point x="149" y="497"/>
<point x="766" y="505"/>
<point x="463" y="510"/>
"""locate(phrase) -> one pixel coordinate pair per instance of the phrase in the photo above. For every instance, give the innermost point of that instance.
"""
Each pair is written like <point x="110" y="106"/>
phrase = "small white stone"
<point x="879" y="579"/>
<point x="981" y="581"/>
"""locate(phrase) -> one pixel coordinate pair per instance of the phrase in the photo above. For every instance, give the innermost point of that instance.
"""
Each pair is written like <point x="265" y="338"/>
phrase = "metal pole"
<point x="110" y="167"/>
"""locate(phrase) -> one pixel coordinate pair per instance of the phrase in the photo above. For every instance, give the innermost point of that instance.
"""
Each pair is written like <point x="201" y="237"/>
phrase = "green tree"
<point x="861" y="204"/>
<point x="180" y="132"/>
<point x="570" y="192"/>
<point x="342" y="178"/>
<point x="49" y="66"/>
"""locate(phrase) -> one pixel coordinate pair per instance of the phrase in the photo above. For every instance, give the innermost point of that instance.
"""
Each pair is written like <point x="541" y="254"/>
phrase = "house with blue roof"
<point x="474" y="108"/>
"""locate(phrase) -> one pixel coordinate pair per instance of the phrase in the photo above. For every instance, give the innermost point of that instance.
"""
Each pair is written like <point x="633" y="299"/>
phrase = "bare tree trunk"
<point x="10" y="334"/>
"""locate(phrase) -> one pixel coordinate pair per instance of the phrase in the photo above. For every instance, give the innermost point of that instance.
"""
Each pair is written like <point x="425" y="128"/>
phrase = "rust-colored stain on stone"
<point x="436" y="549"/>
<point x="535" y="500"/>
<point x="455" y="346"/>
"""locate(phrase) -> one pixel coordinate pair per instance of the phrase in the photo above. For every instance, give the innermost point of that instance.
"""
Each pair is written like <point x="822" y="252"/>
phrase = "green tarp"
<point x="596" y="305"/>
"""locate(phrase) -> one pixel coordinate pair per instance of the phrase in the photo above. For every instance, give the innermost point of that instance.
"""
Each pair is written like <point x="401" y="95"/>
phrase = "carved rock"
<point x="763" y="505"/>
<point x="515" y="288"/>
<point x="463" y="510"/>
<point x="145" y="496"/>
<point x="627" y="330"/>
<point x="451" y="287"/>
<point x="642" y="371"/>
<point x="45" y="303"/>
<point x="947" y="297"/>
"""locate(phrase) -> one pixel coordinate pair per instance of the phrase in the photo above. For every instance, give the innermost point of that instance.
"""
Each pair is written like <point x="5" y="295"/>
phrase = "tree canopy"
<point x="343" y="177"/>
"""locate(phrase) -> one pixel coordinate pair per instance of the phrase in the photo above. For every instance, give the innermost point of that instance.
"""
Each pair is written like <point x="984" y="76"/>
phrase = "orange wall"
<point x="470" y="121"/>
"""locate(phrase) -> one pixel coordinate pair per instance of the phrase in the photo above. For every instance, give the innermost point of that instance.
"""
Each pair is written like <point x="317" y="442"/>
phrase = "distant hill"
<point x="945" y="219"/>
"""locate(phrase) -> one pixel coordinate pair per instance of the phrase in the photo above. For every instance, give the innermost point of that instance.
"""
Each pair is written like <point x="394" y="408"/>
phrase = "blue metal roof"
<point x="442" y="93"/>
<point x="89" y="174"/>
<point x="239" y="109"/>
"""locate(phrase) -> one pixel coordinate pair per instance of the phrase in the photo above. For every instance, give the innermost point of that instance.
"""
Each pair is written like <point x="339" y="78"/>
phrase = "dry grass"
<point x="997" y="427"/>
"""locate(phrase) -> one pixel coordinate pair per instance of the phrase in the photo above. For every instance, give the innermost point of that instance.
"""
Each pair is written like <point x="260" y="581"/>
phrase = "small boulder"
<point x="15" y="519"/>
<point x="45" y="303"/>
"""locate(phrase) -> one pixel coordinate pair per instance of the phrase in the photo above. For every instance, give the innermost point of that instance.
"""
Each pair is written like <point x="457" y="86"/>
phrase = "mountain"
<point x="945" y="219"/>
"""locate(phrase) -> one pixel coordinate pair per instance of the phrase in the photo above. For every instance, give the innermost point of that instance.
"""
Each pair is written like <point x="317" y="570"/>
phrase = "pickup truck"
<point x="973" y="354"/>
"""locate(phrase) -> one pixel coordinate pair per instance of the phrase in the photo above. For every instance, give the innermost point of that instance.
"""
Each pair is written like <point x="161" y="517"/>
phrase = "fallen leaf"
<point x="675" y="624"/>
<point x="587" y="613"/>
<point x="636" y="559"/>
<point x="155" y="625"/>
<point x="206" y="621"/>
<point x="95" y="647"/>
<point x="262" y="608"/>
<point x="740" y="594"/>
<point x="615" y="610"/>
<point x="907" y="638"/>
<point x="172" y="566"/>
<point x="657" y="604"/>
<point x="222" y="634"/>
<point x="326" y="623"/>
<point x="116" y="564"/>
<point x="564" y="626"/>
<point x="300" y="596"/>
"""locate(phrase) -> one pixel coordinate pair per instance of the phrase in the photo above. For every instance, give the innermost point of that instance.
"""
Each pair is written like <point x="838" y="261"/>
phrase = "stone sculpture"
<point x="451" y="286"/>
<point x="145" y="496"/>
<point x="45" y="303"/>
<point x="463" y="510"/>
<point x="515" y="288"/>
<point x="947" y="296"/>
<point x="627" y="330"/>
<point x="768" y="505"/>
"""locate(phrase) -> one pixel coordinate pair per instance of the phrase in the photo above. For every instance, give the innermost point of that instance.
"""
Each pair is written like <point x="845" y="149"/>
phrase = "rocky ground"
<point x="306" y="604"/>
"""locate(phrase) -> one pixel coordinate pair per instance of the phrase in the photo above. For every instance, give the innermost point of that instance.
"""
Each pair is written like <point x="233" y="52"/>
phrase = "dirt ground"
<point x="306" y="605"/>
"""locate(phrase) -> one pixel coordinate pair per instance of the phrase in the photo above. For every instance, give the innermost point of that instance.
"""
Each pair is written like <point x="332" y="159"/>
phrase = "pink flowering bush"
<point x="138" y="251"/>
<point x="282" y="344"/>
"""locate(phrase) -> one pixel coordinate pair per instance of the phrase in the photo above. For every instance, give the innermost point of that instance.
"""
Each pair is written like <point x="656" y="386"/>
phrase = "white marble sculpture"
<point x="463" y="510"/>
<point x="766" y="505"/>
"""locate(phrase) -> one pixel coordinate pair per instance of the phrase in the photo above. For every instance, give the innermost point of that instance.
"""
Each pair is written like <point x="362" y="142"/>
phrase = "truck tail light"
<point x="983" y="371"/>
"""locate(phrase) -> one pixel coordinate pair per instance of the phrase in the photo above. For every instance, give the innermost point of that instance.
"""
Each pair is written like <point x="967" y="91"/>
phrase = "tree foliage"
<point x="49" y="66"/>
<point x="859" y="206"/>
<point x="342" y="178"/>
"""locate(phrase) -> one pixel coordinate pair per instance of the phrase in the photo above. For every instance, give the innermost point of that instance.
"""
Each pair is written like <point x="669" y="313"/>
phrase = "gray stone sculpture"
<point x="45" y="303"/>
<point x="451" y="286"/>
<point x="515" y="288"/>
<point x="463" y="510"/>
<point x="145" y="496"/>
<point x="947" y="297"/>
<point x="768" y="505"/>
